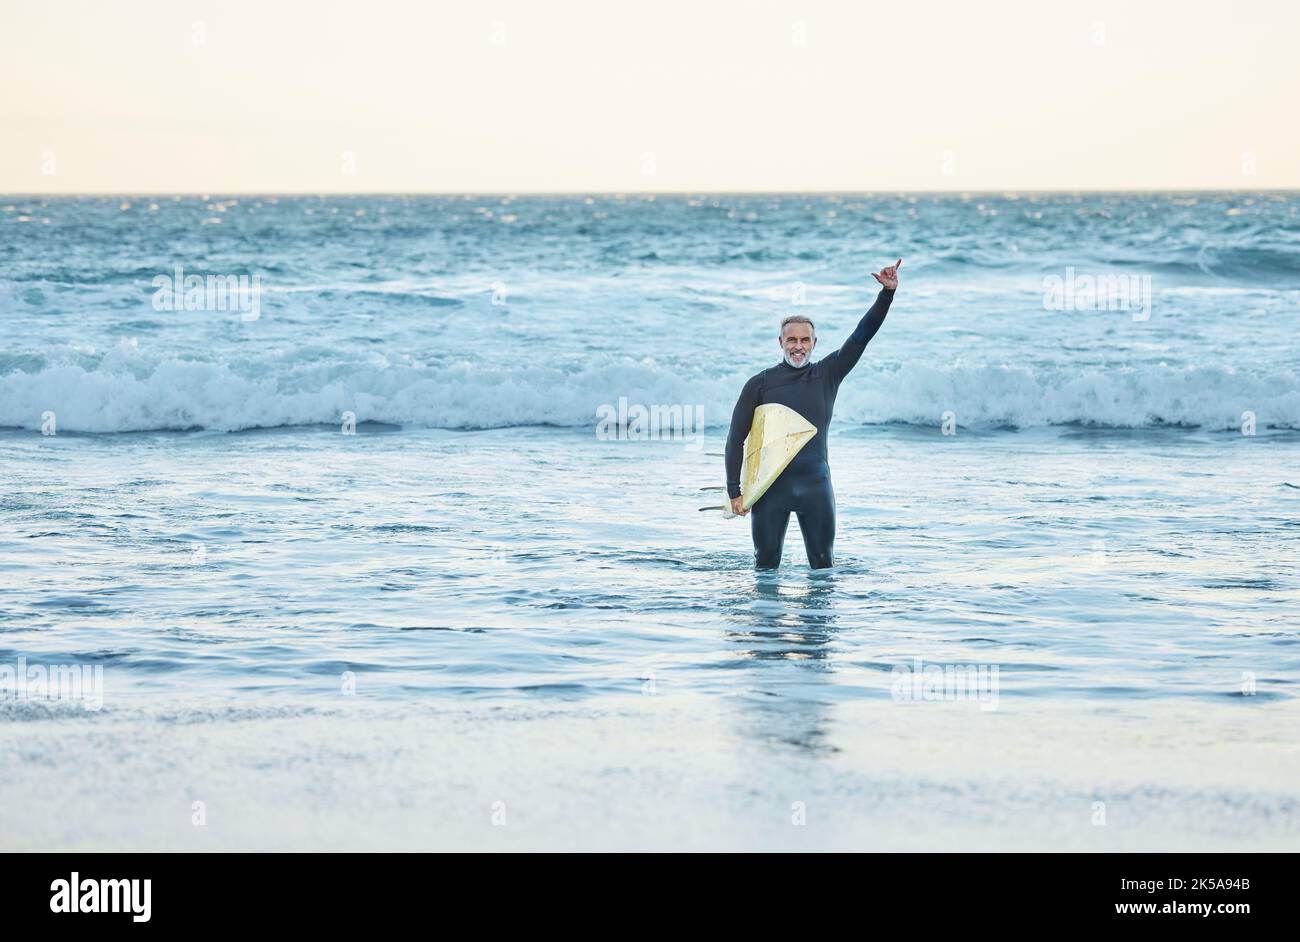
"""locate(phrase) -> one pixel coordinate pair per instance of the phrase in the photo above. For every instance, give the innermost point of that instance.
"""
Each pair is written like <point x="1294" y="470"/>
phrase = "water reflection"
<point x="786" y="626"/>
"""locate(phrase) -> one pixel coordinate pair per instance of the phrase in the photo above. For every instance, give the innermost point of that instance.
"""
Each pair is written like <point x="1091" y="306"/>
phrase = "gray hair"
<point x="798" y="319"/>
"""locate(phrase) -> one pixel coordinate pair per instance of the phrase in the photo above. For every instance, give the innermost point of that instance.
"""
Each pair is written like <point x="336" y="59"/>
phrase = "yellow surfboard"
<point x="776" y="435"/>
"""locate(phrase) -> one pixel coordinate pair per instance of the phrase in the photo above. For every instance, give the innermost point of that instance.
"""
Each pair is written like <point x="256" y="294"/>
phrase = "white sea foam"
<point x="137" y="395"/>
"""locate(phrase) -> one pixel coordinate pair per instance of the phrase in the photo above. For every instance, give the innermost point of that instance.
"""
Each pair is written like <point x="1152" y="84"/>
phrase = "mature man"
<point x="809" y="389"/>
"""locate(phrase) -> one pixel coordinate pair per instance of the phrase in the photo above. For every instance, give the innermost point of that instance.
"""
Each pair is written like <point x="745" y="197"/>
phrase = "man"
<point x="809" y="389"/>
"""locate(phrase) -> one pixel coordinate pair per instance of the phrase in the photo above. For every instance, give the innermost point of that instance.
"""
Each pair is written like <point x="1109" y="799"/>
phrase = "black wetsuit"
<point x="805" y="485"/>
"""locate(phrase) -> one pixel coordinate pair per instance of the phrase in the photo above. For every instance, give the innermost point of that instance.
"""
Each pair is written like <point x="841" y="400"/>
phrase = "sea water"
<point x="386" y="553"/>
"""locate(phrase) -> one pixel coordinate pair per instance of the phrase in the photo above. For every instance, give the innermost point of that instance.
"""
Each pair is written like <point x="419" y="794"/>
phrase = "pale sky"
<point x="573" y="96"/>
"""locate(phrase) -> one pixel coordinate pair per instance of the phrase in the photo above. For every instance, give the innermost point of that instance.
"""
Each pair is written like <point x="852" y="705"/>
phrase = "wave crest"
<point x="178" y="394"/>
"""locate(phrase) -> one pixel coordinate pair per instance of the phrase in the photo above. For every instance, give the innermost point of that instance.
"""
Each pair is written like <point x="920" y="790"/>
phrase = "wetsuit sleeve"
<point x="847" y="356"/>
<point x="741" y="419"/>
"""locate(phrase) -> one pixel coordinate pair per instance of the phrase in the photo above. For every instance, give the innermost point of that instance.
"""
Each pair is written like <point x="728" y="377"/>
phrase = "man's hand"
<point x="889" y="276"/>
<point x="738" y="506"/>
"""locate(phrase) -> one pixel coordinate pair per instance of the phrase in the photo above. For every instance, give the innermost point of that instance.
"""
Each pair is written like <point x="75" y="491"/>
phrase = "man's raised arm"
<point x="847" y="356"/>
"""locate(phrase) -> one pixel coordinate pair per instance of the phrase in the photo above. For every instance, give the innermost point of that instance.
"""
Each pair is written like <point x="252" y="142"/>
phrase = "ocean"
<point x="372" y="523"/>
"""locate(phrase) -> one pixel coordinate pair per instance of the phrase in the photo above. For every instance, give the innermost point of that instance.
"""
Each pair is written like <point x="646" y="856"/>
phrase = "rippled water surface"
<point x="474" y="607"/>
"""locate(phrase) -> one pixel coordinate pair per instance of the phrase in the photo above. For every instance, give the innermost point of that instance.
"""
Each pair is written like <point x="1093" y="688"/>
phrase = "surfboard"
<point x="776" y="435"/>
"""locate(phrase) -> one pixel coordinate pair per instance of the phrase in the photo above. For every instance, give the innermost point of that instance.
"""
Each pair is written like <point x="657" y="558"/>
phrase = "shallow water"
<point x="547" y="601"/>
<point x="526" y="562"/>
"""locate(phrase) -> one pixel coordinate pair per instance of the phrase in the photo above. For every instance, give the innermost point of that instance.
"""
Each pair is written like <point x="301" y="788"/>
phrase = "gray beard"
<point x="797" y="366"/>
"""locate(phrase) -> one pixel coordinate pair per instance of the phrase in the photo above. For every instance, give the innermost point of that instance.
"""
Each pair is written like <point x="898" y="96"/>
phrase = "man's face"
<point x="797" y="342"/>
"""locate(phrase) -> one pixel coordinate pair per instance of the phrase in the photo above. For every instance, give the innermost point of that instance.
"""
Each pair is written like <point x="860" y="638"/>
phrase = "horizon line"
<point x="471" y="193"/>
